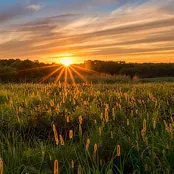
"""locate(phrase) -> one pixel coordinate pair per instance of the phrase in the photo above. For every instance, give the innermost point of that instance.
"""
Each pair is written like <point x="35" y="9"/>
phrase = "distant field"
<point x="101" y="128"/>
<point x="159" y="79"/>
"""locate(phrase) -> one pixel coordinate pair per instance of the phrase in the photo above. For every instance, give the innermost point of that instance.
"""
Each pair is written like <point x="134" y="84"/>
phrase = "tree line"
<point x="143" y="70"/>
<point x="16" y="70"/>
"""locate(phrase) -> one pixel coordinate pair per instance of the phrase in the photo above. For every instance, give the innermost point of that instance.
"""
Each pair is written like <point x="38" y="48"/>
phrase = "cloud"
<point x="131" y="30"/>
<point x="34" y="7"/>
<point x="11" y="13"/>
<point x="17" y="11"/>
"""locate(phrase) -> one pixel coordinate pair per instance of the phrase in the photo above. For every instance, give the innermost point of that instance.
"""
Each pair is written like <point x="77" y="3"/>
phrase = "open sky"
<point x="130" y="30"/>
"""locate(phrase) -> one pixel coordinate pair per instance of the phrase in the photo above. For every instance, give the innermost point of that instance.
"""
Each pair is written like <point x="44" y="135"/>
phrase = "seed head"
<point x="80" y="120"/>
<point x="128" y="123"/>
<point x="72" y="164"/>
<point x="55" y="134"/>
<point x="87" y="144"/>
<point x="56" y="167"/>
<point x="95" y="148"/>
<point x="70" y="134"/>
<point x="1" y="166"/>
<point x="67" y="119"/>
<point x="144" y="125"/>
<point x="118" y="150"/>
<point x="61" y="140"/>
<point x="79" y="171"/>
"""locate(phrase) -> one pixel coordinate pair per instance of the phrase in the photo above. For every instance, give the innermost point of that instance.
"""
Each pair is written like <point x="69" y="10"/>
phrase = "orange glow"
<point x="66" y="62"/>
<point x="78" y="74"/>
<point x="66" y="71"/>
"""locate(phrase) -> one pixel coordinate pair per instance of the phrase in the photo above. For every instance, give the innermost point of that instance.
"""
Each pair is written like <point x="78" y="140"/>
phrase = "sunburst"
<point x="67" y="71"/>
<point x="66" y="62"/>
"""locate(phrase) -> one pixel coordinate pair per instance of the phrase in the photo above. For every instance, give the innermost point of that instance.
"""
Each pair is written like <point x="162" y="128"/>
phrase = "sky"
<point x="117" y="30"/>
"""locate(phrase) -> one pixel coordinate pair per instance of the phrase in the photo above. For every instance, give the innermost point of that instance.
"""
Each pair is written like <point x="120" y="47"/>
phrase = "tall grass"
<point x="121" y="128"/>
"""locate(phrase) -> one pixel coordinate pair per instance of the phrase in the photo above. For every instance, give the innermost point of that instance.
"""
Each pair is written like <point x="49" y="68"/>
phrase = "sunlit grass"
<point x="92" y="128"/>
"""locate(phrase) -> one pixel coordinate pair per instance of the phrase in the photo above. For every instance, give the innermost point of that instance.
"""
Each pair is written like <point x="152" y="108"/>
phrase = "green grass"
<point x="27" y="112"/>
<point x="158" y="79"/>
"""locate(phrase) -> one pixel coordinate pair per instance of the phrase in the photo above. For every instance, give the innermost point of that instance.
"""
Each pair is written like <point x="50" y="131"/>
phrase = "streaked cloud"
<point x="133" y="31"/>
<point x="11" y="13"/>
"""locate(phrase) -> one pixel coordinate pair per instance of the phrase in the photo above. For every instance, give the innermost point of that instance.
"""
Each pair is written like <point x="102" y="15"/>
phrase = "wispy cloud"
<point x="16" y="12"/>
<point x="132" y="31"/>
<point x="34" y="7"/>
<point x="11" y="13"/>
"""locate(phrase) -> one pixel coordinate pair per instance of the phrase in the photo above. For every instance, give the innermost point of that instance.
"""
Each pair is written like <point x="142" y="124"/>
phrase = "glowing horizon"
<point x="66" y="61"/>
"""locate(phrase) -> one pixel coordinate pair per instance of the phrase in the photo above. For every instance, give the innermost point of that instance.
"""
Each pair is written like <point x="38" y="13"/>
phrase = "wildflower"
<point x="1" y="166"/>
<point x="67" y="119"/>
<point x="70" y="134"/>
<point x="95" y="150"/>
<point x="113" y="113"/>
<point x="55" y="134"/>
<point x="72" y="164"/>
<point x="100" y="130"/>
<point x="128" y="123"/>
<point x="87" y="144"/>
<point x="59" y="84"/>
<point x="171" y="129"/>
<point x="52" y="103"/>
<point x="143" y="133"/>
<point x="80" y="119"/>
<point x="80" y="129"/>
<point x="106" y="115"/>
<point x="56" y="167"/>
<point x="132" y="113"/>
<point x="144" y="125"/>
<point x="61" y="140"/>
<point x="167" y="128"/>
<point x="118" y="150"/>
<point x="79" y="171"/>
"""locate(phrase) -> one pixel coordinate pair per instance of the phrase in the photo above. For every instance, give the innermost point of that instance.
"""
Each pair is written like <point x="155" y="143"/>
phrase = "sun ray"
<point x="31" y="69"/>
<point x="49" y="75"/>
<point x="60" y="74"/>
<point x="71" y="76"/>
<point x="41" y="67"/>
<point x="84" y="69"/>
<point x="65" y="80"/>
<point x="81" y="76"/>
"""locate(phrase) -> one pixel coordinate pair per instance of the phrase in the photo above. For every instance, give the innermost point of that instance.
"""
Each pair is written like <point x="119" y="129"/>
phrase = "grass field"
<point x="116" y="128"/>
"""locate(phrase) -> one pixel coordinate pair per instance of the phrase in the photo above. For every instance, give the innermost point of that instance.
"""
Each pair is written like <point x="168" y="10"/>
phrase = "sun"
<point x="66" y="62"/>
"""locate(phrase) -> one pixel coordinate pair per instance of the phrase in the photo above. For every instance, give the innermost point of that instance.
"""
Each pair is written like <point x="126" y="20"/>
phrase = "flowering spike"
<point x="55" y="134"/>
<point x="56" y="167"/>
<point x="118" y="150"/>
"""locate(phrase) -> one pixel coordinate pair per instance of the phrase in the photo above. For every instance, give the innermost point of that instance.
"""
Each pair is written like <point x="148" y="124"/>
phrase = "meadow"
<point x="87" y="128"/>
